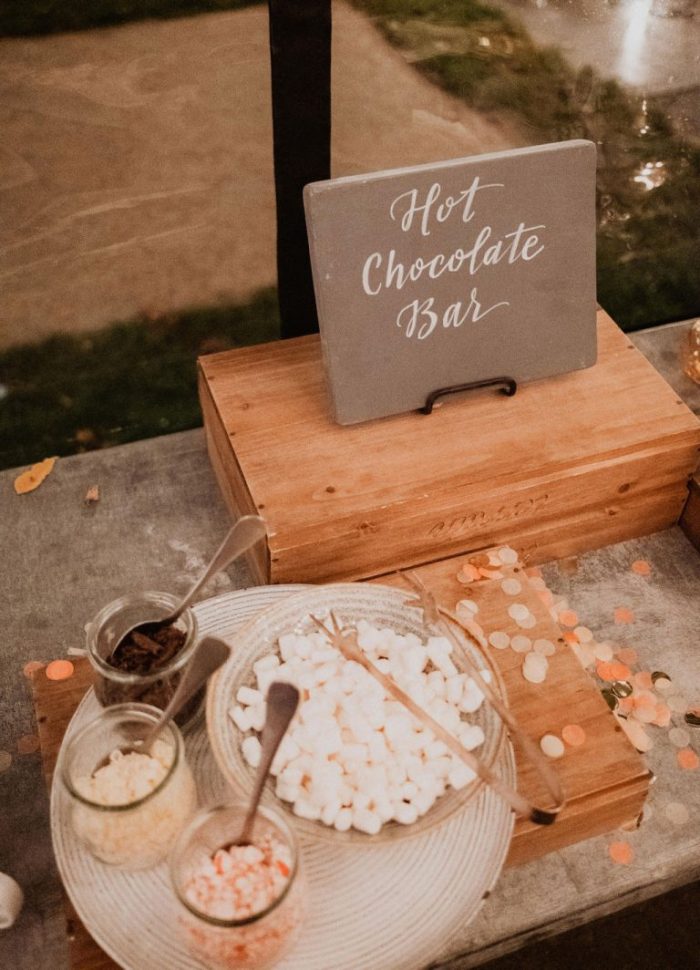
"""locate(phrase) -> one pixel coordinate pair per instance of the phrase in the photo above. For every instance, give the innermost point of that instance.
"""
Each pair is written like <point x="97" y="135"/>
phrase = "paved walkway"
<point x="136" y="162"/>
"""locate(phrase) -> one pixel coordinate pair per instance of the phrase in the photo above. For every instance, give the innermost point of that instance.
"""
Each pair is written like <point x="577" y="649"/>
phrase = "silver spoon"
<point x="210" y="654"/>
<point x="245" y="533"/>
<point x="282" y="702"/>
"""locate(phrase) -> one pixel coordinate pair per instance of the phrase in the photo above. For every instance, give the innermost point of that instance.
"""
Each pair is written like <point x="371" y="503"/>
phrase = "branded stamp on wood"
<point x="459" y="271"/>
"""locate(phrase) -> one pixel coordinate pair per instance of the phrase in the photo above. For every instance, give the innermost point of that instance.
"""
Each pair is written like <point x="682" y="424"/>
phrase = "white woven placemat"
<point x="387" y="907"/>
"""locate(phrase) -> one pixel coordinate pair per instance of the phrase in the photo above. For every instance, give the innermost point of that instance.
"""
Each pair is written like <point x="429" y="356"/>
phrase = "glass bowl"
<point x="382" y="606"/>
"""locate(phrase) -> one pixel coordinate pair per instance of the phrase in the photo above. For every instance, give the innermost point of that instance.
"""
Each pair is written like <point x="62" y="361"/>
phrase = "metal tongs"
<point x="344" y="639"/>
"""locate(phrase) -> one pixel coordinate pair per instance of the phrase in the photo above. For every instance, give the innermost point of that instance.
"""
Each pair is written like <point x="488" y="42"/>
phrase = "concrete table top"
<point x="158" y="519"/>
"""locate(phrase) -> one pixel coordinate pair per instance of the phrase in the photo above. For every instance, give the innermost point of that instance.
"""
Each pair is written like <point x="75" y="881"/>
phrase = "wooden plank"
<point x="606" y="780"/>
<point x="356" y="501"/>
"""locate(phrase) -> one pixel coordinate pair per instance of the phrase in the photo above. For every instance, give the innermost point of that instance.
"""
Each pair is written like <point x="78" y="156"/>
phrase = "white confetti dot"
<point x="518" y="611"/>
<point x="468" y="605"/>
<point x="535" y="668"/>
<point x="511" y="586"/>
<point x="499" y="640"/>
<point x="552" y="746"/>
<point x="603" y="651"/>
<point x="663" y="684"/>
<point x="507" y="556"/>
<point x="677" y="813"/>
<point x="636" y="733"/>
<point x="679" y="737"/>
<point x="520" y="643"/>
<point x="544" y="647"/>
<point x="527" y="622"/>
<point x="583" y="633"/>
<point x="678" y="703"/>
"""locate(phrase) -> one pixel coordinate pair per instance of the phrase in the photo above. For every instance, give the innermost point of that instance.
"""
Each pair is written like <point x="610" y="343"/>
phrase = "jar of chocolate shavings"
<point x="143" y="667"/>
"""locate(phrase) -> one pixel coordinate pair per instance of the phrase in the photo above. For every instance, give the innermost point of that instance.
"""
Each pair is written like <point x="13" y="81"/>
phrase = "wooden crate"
<point x="568" y="464"/>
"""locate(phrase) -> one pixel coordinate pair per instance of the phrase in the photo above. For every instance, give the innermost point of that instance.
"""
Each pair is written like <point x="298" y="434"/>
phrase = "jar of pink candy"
<point x="241" y="906"/>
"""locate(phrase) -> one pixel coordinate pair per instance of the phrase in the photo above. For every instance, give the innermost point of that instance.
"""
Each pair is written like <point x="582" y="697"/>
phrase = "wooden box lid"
<point x="569" y="463"/>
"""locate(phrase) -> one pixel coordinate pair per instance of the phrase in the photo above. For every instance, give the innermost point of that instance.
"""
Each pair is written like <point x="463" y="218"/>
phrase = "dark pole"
<point x="300" y="46"/>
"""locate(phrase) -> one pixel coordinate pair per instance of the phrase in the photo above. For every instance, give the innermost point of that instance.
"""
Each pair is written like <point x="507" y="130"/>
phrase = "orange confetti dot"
<point x="570" y="637"/>
<point x="641" y="567"/>
<point x="574" y="735"/>
<point x="28" y="744"/>
<point x="627" y="655"/>
<point x="468" y="573"/>
<point x="644" y="699"/>
<point x="662" y="715"/>
<point x="59" y="670"/>
<point x="687" y="759"/>
<point x="625" y="705"/>
<point x="619" y="670"/>
<point x="621" y="852"/>
<point x="643" y="680"/>
<point x="568" y="618"/>
<point x="32" y="666"/>
<point x="623" y="615"/>
<point x="604" y="670"/>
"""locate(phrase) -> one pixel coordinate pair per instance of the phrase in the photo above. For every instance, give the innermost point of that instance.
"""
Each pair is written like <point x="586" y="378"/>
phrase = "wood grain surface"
<point x="568" y="464"/>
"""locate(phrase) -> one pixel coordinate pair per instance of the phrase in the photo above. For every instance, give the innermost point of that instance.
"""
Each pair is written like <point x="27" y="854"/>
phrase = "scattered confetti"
<point x="490" y="573"/>
<point x="59" y="670"/>
<point x="663" y="715"/>
<point x="92" y="495"/>
<point x="677" y="813"/>
<point x="535" y="667"/>
<point x="641" y="567"/>
<point x="568" y="618"/>
<point x="34" y="476"/>
<point x="621" y="852"/>
<point x="687" y="759"/>
<point x="518" y="611"/>
<point x="604" y="671"/>
<point x="32" y="666"/>
<point x="467" y="574"/>
<point x="679" y="737"/>
<point x="28" y="744"/>
<point x="520" y="643"/>
<point x="584" y="634"/>
<point x="619" y="670"/>
<point x="627" y="655"/>
<point x="623" y="615"/>
<point x="643" y="680"/>
<point x="511" y="587"/>
<point x="662" y="684"/>
<point x="544" y="647"/>
<point x="528" y="622"/>
<point x="552" y="746"/>
<point x="499" y="640"/>
<point x="574" y="735"/>
<point x="5" y="761"/>
<point x="637" y="735"/>
<point x="692" y="716"/>
<point x="76" y="652"/>
<point x="534" y="572"/>
<point x="569" y="637"/>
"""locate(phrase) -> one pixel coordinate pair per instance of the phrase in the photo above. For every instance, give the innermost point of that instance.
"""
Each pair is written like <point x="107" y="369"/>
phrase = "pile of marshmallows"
<point x="354" y="756"/>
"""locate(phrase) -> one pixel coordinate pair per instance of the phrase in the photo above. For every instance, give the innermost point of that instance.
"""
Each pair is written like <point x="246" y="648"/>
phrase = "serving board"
<point x="568" y="464"/>
<point x="605" y="781"/>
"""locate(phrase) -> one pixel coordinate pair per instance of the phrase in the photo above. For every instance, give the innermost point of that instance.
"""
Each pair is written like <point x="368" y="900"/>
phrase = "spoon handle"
<point x="210" y="654"/>
<point x="282" y="702"/>
<point x="244" y="534"/>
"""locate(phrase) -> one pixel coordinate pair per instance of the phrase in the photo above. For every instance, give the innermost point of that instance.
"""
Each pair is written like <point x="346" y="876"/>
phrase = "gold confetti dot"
<point x="32" y="666"/>
<point x="28" y="744"/>
<point x="621" y="853"/>
<point x="687" y="759"/>
<point x="677" y="813"/>
<point x="574" y="735"/>
<point x="641" y="567"/>
<point x="5" y="761"/>
<point x="59" y="670"/>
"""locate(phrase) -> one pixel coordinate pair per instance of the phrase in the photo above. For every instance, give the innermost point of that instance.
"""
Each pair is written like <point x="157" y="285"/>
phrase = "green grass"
<point x="133" y="380"/>
<point x="648" y="241"/>
<point x="28" y="17"/>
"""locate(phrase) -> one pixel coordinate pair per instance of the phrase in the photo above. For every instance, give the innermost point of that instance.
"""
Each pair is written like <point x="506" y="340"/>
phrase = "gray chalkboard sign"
<point x="459" y="271"/>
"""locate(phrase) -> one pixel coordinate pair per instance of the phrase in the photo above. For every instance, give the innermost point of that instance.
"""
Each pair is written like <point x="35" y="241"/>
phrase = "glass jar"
<point x="115" y="686"/>
<point x="258" y="940"/>
<point x="127" y="821"/>
<point x="690" y="352"/>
